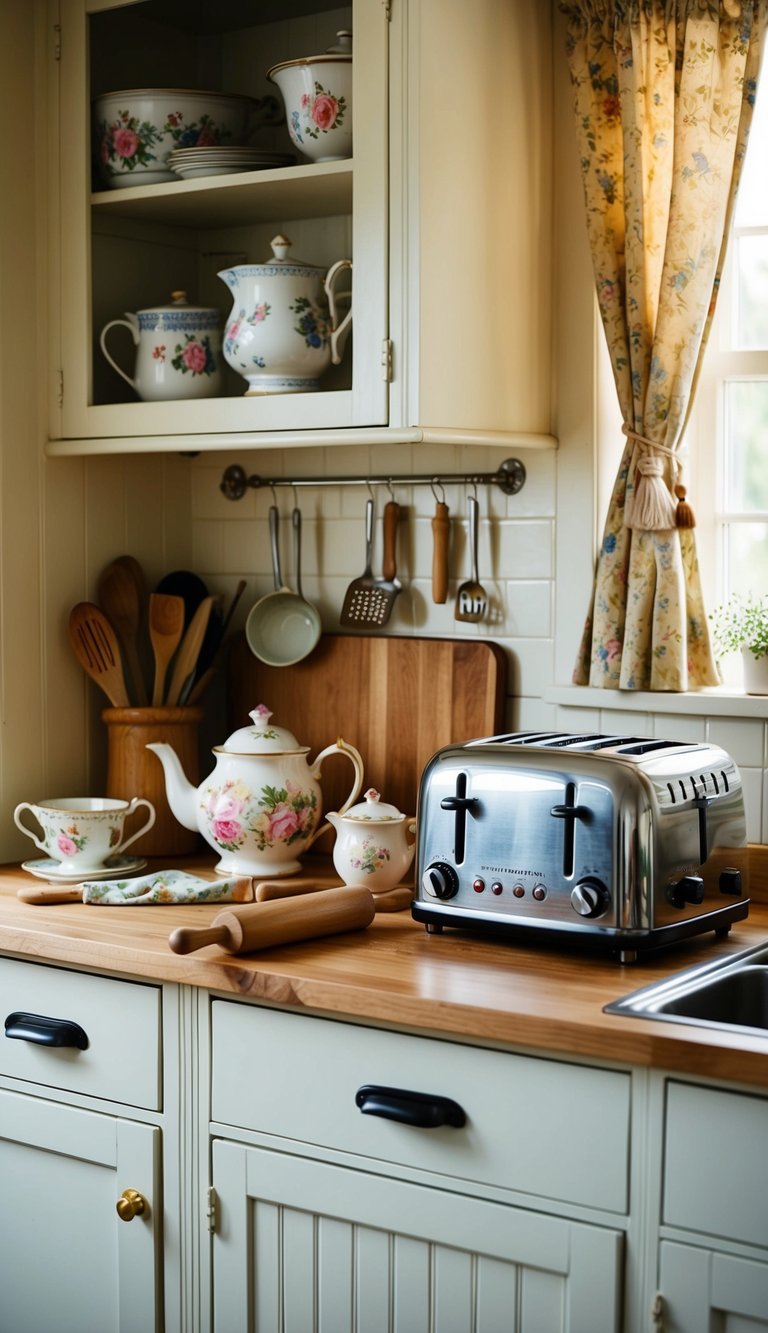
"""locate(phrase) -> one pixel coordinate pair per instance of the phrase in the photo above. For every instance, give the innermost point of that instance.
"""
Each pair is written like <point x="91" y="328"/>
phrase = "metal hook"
<point x="274" y="496"/>
<point x="389" y="488"/>
<point x="437" y="482"/>
<point x="370" y="489"/>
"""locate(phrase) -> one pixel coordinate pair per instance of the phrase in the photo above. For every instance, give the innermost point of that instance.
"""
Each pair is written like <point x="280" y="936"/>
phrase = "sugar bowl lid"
<point x="373" y="810"/>
<point x="263" y="737"/>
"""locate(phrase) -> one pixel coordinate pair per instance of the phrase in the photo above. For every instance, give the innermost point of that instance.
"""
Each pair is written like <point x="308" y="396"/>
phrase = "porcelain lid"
<point x="263" y="737"/>
<point x="373" y="810"/>
<point x="339" y="53"/>
<point x="179" y="303"/>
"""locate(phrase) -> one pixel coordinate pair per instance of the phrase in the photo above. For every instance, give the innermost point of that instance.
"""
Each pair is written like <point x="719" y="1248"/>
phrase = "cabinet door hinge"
<point x="657" y="1312"/>
<point x="212" y="1209"/>
<point x="387" y="10"/>
<point x="61" y="388"/>
<point x="57" y="41"/>
<point x="386" y="360"/>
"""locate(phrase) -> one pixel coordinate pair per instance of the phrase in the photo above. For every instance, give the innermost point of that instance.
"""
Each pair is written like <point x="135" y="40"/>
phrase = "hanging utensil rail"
<point x="509" y="477"/>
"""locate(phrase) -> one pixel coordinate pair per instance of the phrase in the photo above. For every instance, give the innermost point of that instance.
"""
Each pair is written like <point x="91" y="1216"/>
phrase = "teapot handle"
<point x="354" y="756"/>
<point x="130" y="322"/>
<point x="338" y="331"/>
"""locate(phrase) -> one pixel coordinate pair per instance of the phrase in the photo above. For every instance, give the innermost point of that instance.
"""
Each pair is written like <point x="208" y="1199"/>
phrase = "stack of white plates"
<point x="220" y="160"/>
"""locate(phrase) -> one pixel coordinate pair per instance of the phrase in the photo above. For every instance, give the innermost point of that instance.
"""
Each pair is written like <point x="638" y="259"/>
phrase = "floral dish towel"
<point x="167" y="886"/>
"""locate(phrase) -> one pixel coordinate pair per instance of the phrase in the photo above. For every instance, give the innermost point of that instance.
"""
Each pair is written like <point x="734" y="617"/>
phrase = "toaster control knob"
<point x="589" y="898"/>
<point x="440" y="880"/>
<point x="689" y="889"/>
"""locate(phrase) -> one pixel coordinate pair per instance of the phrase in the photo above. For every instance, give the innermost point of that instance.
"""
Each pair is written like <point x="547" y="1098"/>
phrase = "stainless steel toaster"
<point x="630" y="842"/>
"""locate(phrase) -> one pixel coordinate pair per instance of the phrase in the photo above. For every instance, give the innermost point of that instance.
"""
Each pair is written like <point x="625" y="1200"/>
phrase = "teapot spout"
<point x="180" y="792"/>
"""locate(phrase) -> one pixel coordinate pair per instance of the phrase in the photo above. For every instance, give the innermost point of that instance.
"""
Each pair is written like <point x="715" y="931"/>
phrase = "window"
<point x="728" y="436"/>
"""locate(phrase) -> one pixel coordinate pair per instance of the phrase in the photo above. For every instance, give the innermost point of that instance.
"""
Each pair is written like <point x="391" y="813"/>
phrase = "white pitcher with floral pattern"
<point x="260" y="807"/>
<point x="178" y="350"/>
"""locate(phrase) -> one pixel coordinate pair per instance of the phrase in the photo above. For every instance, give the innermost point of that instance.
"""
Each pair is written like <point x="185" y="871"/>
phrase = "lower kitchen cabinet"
<point x="702" y="1289"/>
<point x="67" y="1260"/>
<point x="303" y="1245"/>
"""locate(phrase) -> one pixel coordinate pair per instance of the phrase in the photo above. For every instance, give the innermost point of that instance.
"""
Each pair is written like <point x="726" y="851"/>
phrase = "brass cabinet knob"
<point x="129" y="1204"/>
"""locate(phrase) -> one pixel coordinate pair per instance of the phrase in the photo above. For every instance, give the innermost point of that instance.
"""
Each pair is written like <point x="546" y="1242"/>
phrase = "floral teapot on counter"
<point x="374" y="843"/>
<point x="260" y="807"/>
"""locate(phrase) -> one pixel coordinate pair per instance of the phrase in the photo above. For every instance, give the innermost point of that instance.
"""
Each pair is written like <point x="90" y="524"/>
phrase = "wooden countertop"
<point x="525" y="996"/>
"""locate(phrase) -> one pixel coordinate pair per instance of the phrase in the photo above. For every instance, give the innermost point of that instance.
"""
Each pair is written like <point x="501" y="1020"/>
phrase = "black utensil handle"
<point x="425" y="1110"/>
<point x="44" y="1031"/>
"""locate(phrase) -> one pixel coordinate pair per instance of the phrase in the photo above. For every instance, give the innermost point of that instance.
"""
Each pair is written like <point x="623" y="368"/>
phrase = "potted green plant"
<point x="741" y="625"/>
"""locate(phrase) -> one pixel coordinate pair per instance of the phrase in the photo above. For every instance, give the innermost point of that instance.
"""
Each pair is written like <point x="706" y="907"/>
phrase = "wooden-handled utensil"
<point x="189" y="652"/>
<point x="391" y="520"/>
<point x="441" y="527"/>
<point x="119" y="599"/>
<point x="368" y="601"/>
<point x="166" y="626"/>
<point x="265" y="924"/>
<point x="391" y="900"/>
<point x="97" y="650"/>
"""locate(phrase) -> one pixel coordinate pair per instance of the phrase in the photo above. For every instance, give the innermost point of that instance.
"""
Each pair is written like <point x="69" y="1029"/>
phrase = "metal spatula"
<point x="368" y="601"/>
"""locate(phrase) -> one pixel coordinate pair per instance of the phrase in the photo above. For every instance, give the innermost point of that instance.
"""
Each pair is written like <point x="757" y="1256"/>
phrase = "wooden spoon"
<point x="186" y="658"/>
<point x="119" y="598"/>
<point x="166" y="626"/>
<point x="96" y="648"/>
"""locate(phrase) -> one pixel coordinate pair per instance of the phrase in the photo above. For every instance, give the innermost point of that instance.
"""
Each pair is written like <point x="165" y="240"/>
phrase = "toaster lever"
<point x="460" y="804"/>
<point x="570" y="812"/>
<point x="700" y="803"/>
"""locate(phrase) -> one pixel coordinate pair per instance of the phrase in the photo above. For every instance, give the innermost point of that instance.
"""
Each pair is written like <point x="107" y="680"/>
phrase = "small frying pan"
<point x="282" y="627"/>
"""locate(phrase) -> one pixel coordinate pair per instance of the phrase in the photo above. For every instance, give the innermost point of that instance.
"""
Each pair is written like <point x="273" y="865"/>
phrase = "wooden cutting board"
<point x="396" y="699"/>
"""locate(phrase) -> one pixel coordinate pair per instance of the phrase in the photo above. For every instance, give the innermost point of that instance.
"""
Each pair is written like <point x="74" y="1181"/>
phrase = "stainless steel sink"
<point x="731" y="993"/>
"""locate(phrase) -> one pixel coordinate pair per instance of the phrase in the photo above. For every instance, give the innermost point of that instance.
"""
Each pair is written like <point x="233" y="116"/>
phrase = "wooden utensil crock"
<point x="132" y="770"/>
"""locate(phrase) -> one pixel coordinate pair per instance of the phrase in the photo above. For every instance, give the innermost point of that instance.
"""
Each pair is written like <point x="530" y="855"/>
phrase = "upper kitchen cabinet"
<point x="440" y="216"/>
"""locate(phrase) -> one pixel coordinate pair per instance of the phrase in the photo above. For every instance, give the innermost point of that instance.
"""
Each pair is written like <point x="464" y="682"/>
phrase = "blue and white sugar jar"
<point x="178" y="350"/>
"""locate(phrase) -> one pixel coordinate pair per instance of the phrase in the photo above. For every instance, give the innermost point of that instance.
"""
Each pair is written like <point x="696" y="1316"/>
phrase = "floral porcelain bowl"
<point x="317" y="93"/>
<point x="135" y="130"/>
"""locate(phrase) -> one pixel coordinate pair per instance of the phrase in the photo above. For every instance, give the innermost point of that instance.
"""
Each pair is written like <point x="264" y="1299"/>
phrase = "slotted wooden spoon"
<point x="97" y="650"/>
<point x="166" y="626"/>
<point x="189" y="652"/>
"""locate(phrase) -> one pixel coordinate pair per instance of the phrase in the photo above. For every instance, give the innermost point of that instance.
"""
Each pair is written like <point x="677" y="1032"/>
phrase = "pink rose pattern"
<point x="70" y="841"/>
<point x="279" y="814"/>
<point x="194" y="355"/>
<point x="319" y="114"/>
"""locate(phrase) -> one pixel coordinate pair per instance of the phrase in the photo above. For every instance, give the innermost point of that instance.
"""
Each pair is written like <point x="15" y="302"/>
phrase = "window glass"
<point x="746" y="554"/>
<point x="746" y="435"/>
<point x="751" y="261"/>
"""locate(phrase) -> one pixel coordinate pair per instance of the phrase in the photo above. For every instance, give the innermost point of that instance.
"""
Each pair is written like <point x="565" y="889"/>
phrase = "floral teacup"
<point x="82" y="831"/>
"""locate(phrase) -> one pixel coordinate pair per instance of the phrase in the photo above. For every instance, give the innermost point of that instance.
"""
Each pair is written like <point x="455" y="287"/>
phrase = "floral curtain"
<point x="664" y="91"/>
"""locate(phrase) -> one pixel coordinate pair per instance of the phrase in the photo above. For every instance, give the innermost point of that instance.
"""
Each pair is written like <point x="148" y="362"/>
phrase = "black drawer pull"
<point x="410" y="1108"/>
<point x="46" y="1031"/>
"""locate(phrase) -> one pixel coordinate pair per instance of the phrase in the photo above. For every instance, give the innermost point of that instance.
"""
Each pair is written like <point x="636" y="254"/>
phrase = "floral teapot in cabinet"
<point x="260" y="807"/>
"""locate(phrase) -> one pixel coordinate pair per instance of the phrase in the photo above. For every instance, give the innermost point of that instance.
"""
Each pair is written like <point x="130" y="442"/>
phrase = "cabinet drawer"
<point x="535" y="1126"/>
<point x="715" y="1163"/>
<point x="121" y="1020"/>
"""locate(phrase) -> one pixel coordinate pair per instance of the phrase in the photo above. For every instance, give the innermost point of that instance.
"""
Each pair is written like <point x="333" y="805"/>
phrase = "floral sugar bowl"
<point x="374" y="844"/>
<point x="260" y="807"/>
<point x="178" y="350"/>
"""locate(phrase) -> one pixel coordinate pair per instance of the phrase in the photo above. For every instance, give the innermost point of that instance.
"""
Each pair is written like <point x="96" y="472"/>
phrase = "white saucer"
<point x="46" y="868"/>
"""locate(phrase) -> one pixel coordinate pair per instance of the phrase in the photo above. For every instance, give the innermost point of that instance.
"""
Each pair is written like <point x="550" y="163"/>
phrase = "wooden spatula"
<point x="120" y="601"/>
<point x="96" y="648"/>
<point x="189" y="652"/>
<point x="166" y="626"/>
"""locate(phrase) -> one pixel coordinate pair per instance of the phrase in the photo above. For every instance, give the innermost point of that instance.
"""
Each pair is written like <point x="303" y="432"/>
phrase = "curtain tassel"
<point x="684" y="515"/>
<point x="653" y="508"/>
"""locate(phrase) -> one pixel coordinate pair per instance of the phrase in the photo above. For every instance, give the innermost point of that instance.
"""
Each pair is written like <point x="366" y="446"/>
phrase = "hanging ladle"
<point x="282" y="627"/>
<point x="471" y="598"/>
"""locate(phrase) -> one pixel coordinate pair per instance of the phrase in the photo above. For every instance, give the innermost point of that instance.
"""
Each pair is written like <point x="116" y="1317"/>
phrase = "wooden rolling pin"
<point x="263" y="925"/>
<point x="391" y="900"/>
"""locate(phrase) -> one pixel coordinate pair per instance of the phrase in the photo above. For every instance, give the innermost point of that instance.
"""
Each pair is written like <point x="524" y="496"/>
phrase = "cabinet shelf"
<point x="244" y="198"/>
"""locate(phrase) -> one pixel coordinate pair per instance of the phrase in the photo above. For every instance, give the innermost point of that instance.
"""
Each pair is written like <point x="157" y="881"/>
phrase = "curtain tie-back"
<point x="652" y="508"/>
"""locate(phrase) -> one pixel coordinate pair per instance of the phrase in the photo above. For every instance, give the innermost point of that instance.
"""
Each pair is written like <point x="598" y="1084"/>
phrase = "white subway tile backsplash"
<point x="752" y="784"/>
<point x="670" y="727"/>
<point x="743" y="738"/>
<point x="529" y="608"/>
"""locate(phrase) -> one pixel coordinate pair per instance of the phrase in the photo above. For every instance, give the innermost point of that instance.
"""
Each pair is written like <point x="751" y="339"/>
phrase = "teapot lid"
<point x="339" y="53"/>
<point x="263" y="737"/>
<point x="373" y="809"/>
<point x="280" y="247"/>
<point x="179" y="303"/>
